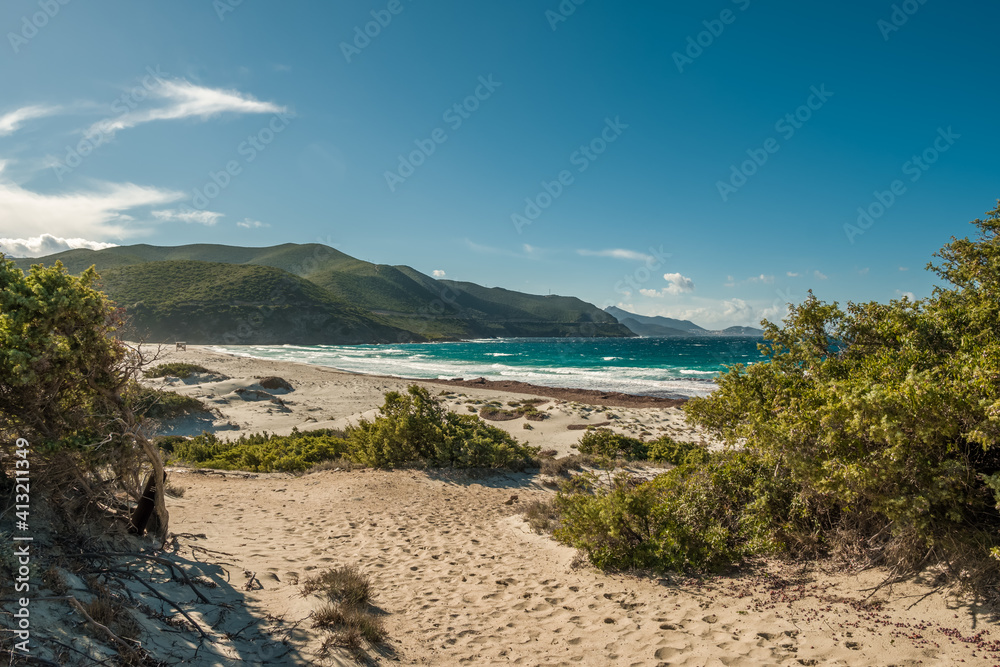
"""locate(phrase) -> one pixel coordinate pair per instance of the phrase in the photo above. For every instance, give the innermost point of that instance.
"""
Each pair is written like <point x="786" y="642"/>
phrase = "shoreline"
<point x="595" y="397"/>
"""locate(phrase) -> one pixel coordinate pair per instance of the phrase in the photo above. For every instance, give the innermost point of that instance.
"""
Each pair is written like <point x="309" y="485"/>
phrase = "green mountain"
<point x="207" y="302"/>
<point x="667" y="327"/>
<point x="314" y="294"/>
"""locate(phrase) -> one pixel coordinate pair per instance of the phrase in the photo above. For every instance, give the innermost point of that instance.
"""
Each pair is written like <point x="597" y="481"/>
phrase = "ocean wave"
<point x="657" y="369"/>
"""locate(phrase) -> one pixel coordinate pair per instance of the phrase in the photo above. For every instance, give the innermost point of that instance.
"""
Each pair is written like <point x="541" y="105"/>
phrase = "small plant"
<point x="173" y="490"/>
<point x="542" y="516"/>
<point x="346" y="585"/>
<point x="347" y="612"/>
<point x="562" y="467"/>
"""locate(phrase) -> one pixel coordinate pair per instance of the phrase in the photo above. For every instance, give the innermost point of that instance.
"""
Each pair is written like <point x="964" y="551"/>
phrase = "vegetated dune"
<point x="462" y="579"/>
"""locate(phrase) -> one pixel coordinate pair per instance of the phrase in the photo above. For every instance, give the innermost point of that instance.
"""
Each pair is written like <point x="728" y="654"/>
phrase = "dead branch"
<point x="129" y="650"/>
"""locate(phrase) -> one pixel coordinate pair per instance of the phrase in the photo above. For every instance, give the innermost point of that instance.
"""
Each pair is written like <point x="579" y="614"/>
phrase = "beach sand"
<point x="461" y="578"/>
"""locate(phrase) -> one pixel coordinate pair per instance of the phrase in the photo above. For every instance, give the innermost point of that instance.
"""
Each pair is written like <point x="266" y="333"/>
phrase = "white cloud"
<point x="11" y="122"/>
<point x="792" y="274"/>
<point x="247" y="223"/>
<point x="617" y="253"/>
<point x="207" y="218"/>
<point x="438" y="273"/>
<point x="186" y="100"/>
<point x="677" y="283"/>
<point x="819" y="275"/>
<point x="46" y="244"/>
<point x="908" y="295"/>
<point x="903" y="268"/>
<point x="767" y="280"/>
<point x="652" y="293"/>
<point x="864" y="271"/>
<point x="99" y="212"/>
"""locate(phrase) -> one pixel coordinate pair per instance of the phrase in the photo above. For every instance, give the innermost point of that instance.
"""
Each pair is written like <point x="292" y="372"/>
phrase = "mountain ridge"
<point x="387" y="303"/>
<point x="667" y="327"/>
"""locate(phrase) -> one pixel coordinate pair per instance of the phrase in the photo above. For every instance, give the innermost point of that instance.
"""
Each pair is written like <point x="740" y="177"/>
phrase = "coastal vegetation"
<point x="68" y="389"/>
<point x="175" y="369"/>
<point x="412" y="429"/>
<point x="871" y="434"/>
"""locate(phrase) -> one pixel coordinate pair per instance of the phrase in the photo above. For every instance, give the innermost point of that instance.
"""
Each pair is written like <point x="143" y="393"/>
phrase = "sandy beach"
<point x="462" y="579"/>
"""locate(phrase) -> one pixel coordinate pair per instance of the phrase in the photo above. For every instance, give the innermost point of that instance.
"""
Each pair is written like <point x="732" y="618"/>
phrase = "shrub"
<point x="556" y="467"/>
<point x="694" y="517"/>
<point x="262" y="452"/>
<point x="346" y="585"/>
<point x="610" y="445"/>
<point x="176" y="369"/>
<point x="158" y="404"/>
<point x="413" y="428"/>
<point x="668" y="450"/>
<point x="64" y="380"/>
<point x="884" y="417"/>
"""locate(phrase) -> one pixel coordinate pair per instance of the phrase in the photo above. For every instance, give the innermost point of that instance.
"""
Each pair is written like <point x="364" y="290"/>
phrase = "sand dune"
<point x="461" y="579"/>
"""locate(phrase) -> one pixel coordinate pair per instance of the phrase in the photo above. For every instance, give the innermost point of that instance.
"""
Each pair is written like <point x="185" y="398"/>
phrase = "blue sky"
<point x="689" y="159"/>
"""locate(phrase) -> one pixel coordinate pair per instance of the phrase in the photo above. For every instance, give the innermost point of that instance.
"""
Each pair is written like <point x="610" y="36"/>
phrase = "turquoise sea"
<point x="648" y="366"/>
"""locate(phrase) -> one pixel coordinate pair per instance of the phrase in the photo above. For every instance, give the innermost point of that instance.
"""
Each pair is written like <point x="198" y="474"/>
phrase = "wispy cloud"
<point x="11" y="121"/>
<point x="864" y="271"/>
<point x="528" y="252"/>
<point x="207" y="218"/>
<point x="183" y="99"/>
<point x="99" y="212"/>
<point x="792" y="274"/>
<point x="904" y="268"/>
<point x="906" y="295"/>
<point x="767" y="280"/>
<point x="247" y="223"/>
<point x="617" y="253"/>
<point x="46" y="244"/>
<point x="819" y="275"/>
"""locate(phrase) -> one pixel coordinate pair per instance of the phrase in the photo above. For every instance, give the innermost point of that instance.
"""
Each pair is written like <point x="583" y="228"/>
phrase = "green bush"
<point x="668" y="450"/>
<point x="610" y="445"/>
<point x="262" y="452"/>
<point x="176" y="369"/>
<point x="694" y="517"/>
<point x="413" y="428"/>
<point x="871" y="432"/>
<point x="157" y="404"/>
